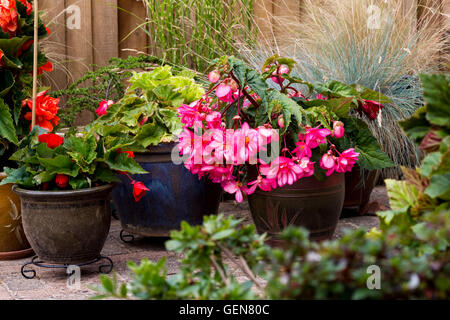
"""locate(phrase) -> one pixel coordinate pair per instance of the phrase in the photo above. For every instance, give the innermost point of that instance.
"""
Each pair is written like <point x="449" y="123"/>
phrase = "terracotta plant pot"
<point x="308" y="202"/>
<point x="358" y="188"/>
<point x="66" y="227"/>
<point x="175" y="195"/>
<point x="13" y="243"/>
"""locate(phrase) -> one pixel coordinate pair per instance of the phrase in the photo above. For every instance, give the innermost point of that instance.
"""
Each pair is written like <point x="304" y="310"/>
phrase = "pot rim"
<point x="62" y="193"/>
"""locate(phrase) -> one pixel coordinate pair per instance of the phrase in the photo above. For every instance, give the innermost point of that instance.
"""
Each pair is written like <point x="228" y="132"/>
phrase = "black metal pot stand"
<point x="30" y="273"/>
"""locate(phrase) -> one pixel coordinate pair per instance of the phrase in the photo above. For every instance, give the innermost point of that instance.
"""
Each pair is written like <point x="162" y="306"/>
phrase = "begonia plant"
<point x="16" y="65"/>
<point x="148" y="111"/>
<point x="260" y="122"/>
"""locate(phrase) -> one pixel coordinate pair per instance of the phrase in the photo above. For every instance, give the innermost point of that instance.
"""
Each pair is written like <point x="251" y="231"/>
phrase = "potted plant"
<point x="288" y="153"/>
<point x="64" y="184"/>
<point x="357" y="107"/>
<point x="148" y="115"/>
<point x="16" y="65"/>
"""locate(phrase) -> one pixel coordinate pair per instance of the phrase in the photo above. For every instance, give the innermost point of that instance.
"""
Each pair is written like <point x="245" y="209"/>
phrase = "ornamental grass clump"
<point x="381" y="45"/>
<point x="242" y="124"/>
<point x="193" y="33"/>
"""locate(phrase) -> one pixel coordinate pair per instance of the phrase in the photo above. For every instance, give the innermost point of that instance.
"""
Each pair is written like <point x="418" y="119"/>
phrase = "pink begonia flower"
<point x="214" y="120"/>
<point x="315" y="136"/>
<point x="246" y="143"/>
<point x="347" y="160"/>
<point x="214" y="76"/>
<point x="307" y="167"/>
<point x="219" y="173"/>
<point x="103" y="107"/>
<point x="189" y="113"/>
<point x="263" y="183"/>
<point x="284" y="170"/>
<point x="281" y="70"/>
<point x="224" y="93"/>
<point x="236" y="188"/>
<point x="302" y="150"/>
<point x="321" y="97"/>
<point x="328" y="162"/>
<point x="298" y="94"/>
<point x="222" y="144"/>
<point x="186" y="141"/>
<point x="338" y="129"/>
<point x="280" y="121"/>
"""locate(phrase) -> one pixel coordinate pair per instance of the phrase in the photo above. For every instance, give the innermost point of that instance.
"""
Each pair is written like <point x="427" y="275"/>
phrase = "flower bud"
<point x="338" y="129"/>
<point x="280" y="121"/>
<point x="214" y="76"/>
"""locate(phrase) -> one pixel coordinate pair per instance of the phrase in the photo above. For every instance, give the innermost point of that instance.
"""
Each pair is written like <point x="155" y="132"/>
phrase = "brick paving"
<point x="52" y="284"/>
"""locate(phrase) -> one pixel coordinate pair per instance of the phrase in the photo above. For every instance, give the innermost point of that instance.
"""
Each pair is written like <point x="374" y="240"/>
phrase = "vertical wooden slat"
<point x="55" y="44"/>
<point x="79" y="41"/>
<point x="127" y="23"/>
<point x="79" y="47"/>
<point x="104" y="30"/>
<point x="263" y="16"/>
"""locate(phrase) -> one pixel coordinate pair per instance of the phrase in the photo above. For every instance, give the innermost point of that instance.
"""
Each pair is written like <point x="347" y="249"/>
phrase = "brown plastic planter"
<point x="66" y="227"/>
<point x="309" y="203"/>
<point x="13" y="243"/>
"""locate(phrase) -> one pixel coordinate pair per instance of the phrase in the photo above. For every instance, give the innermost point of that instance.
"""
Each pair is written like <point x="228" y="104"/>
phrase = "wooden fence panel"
<point x="137" y="40"/>
<point x="105" y="30"/>
<point x="55" y="44"/>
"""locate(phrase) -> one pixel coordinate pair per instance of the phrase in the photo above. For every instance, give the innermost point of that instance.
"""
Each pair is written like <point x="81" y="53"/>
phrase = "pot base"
<point x="15" y="255"/>
<point x="31" y="273"/>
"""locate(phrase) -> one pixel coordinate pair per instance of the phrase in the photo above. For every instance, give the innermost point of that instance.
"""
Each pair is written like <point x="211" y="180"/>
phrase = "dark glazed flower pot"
<point x="358" y="188"/>
<point x="66" y="227"/>
<point x="175" y="195"/>
<point x="308" y="202"/>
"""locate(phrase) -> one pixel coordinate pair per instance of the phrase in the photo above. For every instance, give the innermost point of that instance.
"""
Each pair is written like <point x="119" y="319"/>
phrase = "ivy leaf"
<point x="7" y="129"/>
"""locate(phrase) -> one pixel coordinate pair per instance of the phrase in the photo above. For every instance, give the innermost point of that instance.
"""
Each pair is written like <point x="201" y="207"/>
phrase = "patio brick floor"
<point x="52" y="284"/>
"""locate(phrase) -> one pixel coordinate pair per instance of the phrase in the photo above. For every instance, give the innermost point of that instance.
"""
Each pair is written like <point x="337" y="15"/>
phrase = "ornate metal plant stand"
<point x="126" y="237"/>
<point x="31" y="273"/>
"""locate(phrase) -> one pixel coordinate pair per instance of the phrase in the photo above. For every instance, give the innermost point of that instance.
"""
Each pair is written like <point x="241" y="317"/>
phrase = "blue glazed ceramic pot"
<point x="175" y="195"/>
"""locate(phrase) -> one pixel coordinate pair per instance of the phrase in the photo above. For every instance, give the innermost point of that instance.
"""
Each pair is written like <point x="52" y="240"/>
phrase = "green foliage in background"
<point x="300" y="270"/>
<point x="147" y="113"/>
<point x="425" y="189"/>
<point x="204" y="274"/>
